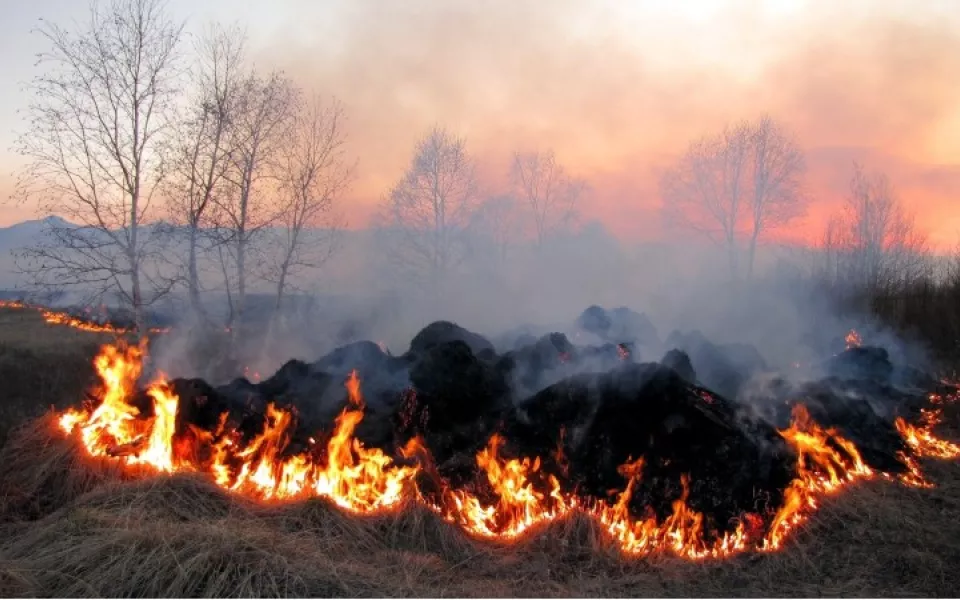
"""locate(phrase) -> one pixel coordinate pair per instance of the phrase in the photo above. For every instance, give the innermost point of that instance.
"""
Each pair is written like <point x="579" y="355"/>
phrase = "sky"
<point x="615" y="88"/>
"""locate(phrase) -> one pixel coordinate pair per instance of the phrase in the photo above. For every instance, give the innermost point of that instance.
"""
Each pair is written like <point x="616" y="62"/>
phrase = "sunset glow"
<point x="617" y="89"/>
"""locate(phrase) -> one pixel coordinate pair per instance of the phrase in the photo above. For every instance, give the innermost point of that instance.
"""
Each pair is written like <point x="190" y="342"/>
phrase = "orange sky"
<point x="618" y="87"/>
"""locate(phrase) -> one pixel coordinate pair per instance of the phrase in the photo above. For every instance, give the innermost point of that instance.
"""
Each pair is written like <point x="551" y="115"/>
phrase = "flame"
<point x="514" y="496"/>
<point x="853" y="339"/>
<point x="519" y="507"/>
<point x="61" y="318"/>
<point x="921" y="438"/>
<point x="825" y="463"/>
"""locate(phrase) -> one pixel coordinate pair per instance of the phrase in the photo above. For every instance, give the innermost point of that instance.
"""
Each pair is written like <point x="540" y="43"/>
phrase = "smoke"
<point x="618" y="91"/>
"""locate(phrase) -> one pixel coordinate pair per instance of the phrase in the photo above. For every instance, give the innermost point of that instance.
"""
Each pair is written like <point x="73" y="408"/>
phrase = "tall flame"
<point x="519" y="496"/>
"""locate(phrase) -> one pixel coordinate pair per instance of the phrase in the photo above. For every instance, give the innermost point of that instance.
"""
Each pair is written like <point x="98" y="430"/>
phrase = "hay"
<point x="40" y="471"/>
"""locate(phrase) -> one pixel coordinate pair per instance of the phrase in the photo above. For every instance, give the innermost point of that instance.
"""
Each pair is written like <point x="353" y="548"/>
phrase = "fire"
<point x="354" y="477"/>
<point x="516" y="495"/>
<point x="920" y="437"/>
<point x="825" y="462"/>
<point x="520" y="505"/>
<point x="853" y="339"/>
<point x="61" y="318"/>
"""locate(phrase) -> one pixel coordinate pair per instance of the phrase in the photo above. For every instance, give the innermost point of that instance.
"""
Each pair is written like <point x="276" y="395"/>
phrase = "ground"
<point x="71" y="527"/>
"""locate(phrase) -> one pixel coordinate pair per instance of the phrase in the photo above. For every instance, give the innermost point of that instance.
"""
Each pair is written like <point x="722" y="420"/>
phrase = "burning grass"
<point x="368" y="481"/>
<point x="181" y="535"/>
<point x="119" y="509"/>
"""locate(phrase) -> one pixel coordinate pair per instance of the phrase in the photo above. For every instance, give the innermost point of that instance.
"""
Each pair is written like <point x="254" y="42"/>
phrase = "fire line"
<point x="366" y="480"/>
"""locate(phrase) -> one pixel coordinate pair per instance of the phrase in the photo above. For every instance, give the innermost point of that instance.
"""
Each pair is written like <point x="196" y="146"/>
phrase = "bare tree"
<point x="313" y="174"/>
<point x="776" y="166"/>
<point x="428" y="212"/>
<point x="202" y="149"/>
<point x="550" y="194"/>
<point x="743" y="181"/>
<point x="97" y="128"/>
<point x="874" y="243"/>
<point x="261" y="123"/>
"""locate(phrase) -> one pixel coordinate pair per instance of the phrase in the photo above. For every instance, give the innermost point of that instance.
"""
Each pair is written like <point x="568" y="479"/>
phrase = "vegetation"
<point x="73" y="526"/>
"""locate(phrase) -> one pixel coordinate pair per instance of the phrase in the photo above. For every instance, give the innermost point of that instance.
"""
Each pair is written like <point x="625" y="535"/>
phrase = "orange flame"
<point x="921" y="439"/>
<point x="520" y="505"/>
<point x="61" y="318"/>
<point x="825" y="462"/>
<point x="853" y="339"/>
<point x="521" y="495"/>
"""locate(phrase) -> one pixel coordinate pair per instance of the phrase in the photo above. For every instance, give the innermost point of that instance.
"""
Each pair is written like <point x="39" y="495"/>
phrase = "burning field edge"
<point x="109" y="438"/>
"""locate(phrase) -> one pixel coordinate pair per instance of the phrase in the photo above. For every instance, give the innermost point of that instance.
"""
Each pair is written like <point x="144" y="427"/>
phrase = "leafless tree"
<point x="97" y="127"/>
<point x="313" y="174"/>
<point x="202" y="151"/>
<point x="261" y="122"/>
<point x="743" y="181"/>
<point x="427" y="214"/>
<point x="776" y="166"/>
<point x="874" y="244"/>
<point x="550" y="194"/>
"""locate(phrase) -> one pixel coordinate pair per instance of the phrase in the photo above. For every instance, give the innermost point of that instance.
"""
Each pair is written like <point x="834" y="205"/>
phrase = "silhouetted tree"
<point x="426" y="216"/>
<point x="741" y="182"/>
<point x="549" y="193"/>
<point x="313" y="174"/>
<point x="874" y="244"/>
<point x="263" y="118"/>
<point x="98" y="125"/>
<point x="202" y="152"/>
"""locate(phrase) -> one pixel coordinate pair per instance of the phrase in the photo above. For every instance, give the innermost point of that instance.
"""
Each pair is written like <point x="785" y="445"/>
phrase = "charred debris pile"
<point x="701" y="415"/>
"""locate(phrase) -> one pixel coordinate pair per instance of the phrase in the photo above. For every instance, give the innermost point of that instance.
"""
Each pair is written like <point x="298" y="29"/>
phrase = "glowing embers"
<point x="853" y="339"/>
<point x="517" y="492"/>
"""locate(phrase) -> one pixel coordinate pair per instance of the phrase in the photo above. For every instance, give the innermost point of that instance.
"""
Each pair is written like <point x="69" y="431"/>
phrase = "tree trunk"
<point x="241" y="288"/>
<point x="193" y="275"/>
<point x="281" y="284"/>
<point x="137" y="298"/>
<point x="732" y="258"/>
<point x="751" y="254"/>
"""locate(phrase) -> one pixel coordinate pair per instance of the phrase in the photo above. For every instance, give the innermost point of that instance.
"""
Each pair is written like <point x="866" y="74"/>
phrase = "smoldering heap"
<point x="705" y="421"/>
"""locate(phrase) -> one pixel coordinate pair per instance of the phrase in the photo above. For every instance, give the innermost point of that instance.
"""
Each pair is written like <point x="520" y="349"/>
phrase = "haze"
<point x="616" y="89"/>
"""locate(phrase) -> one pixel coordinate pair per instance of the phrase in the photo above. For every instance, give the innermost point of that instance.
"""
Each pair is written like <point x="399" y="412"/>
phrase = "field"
<point x="70" y="526"/>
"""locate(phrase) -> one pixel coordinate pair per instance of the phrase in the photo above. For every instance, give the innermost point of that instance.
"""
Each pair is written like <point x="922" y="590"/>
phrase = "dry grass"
<point x="41" y="366"/>
<point x="109" y="535"/>
<point x="72" y="526"/>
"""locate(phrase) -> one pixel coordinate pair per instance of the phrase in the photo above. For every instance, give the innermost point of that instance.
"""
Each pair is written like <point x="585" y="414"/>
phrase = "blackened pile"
<point x="709" y="412"/>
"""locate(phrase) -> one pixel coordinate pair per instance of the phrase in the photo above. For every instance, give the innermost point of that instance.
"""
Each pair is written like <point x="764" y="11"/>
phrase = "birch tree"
<point x="98" y="124"/>
<point x="740" y="183"/>
<point x="262" y="120"/>
<point x="428" y="213"/>
<point x="313" y="174"/>
<point x="551" y="195"/>
<point x="202" y="149"/>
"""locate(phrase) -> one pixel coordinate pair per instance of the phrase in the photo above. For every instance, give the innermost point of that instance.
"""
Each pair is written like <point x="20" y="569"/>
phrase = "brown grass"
<point x="72" y="526"/>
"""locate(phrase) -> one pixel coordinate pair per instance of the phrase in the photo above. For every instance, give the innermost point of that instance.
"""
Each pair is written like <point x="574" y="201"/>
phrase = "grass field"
<point x="71" y="526"/>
